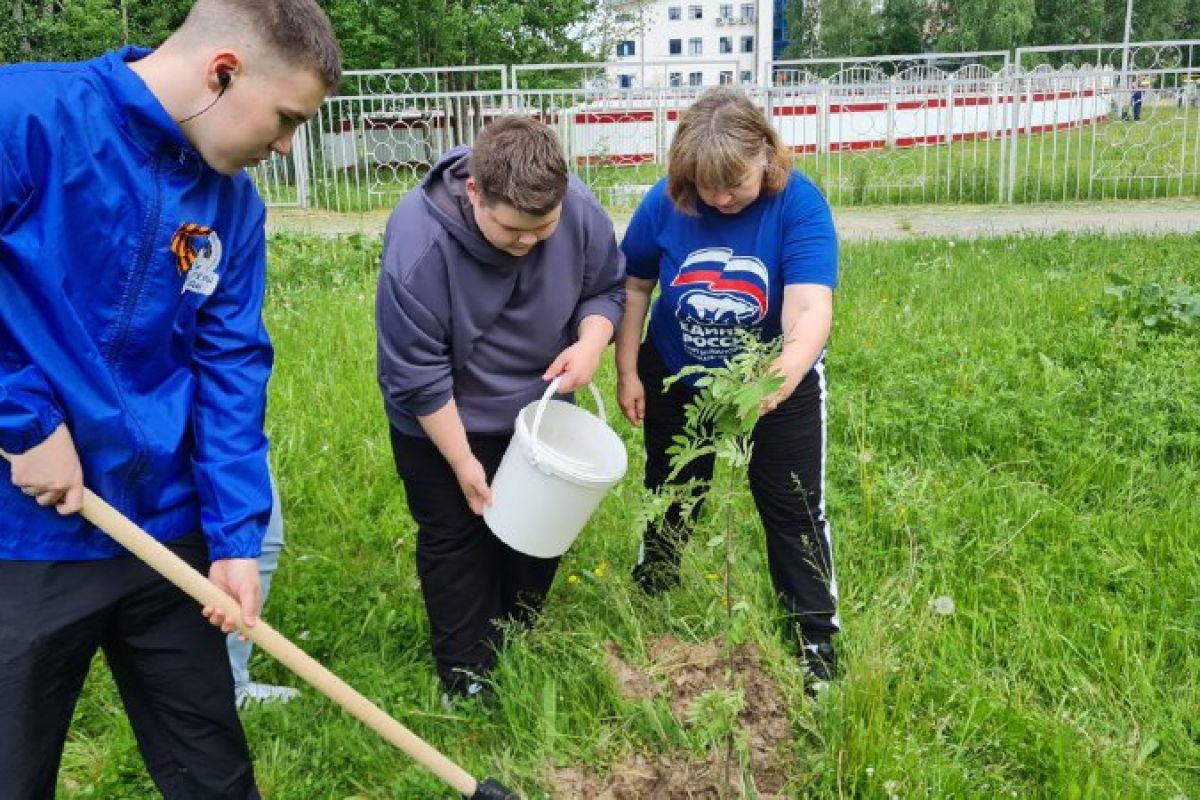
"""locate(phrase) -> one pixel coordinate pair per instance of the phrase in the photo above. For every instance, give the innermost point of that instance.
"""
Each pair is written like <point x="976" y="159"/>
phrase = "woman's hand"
<point x="631" y="396"/>
<point x="792" y="375"/>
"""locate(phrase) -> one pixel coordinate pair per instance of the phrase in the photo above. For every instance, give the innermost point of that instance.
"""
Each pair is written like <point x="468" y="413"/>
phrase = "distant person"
<point x="245" y="691"/>
<point x="133" y="359"/>
<point x="1136" y="99"/>
<point x="736" y="239"/>
<point x="499" y="273"/>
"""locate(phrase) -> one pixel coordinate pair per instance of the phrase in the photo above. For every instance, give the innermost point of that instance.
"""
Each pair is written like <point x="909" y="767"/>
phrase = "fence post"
<point x="949" y="136"/>
<point x="1015" y="110"/>
<point x="995" y="127"/>
<point x="823" y="117"/>
<point x="889" y="133"/>
<point x="300" y="156"/>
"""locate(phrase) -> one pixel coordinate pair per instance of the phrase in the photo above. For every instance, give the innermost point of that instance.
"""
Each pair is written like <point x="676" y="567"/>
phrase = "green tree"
<point x="901" y="27"/>
<point x="803" y="18"/>
<point x="373" y="33"/>
<point x="831" y="28"/>
<point x="988" y="25"/>
<point x="850" y="28"/>
<point x="1068" y="21"/>
<point x="427" y="33"/>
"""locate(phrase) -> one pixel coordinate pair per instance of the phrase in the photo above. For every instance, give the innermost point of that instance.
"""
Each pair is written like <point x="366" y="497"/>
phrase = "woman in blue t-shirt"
<point x="737" y="239"/>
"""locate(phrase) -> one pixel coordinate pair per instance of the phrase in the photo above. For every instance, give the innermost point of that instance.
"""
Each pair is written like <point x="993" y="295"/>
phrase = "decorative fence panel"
<point x="1047" y="123"/>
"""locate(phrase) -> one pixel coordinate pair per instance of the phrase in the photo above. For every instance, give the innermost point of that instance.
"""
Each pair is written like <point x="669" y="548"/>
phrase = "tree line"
<point x="427" y="33"/>
<point x="868" y="27"/>
<point x="374" y="34"/>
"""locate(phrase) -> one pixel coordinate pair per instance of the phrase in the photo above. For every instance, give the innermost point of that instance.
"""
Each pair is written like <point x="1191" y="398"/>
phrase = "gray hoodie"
<point x="456" y="316"/>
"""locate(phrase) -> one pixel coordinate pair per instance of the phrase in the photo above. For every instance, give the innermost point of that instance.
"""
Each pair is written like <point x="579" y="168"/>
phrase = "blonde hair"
<point x="720" y="138"/>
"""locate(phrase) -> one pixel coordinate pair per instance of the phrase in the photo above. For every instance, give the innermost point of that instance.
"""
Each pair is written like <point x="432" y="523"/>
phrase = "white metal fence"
<point x="1044" y="123"/>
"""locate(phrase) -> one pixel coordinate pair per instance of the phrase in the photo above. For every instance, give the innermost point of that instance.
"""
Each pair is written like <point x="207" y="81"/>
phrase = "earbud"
<point x="223" y="78"/>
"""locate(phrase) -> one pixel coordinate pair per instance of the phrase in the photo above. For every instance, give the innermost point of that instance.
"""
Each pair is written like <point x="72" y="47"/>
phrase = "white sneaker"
<point x="264" y="693"/>
<point x="474" y="689"/>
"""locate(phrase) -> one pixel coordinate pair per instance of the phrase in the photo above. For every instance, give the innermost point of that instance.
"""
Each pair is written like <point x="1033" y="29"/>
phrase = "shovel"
<point x="205" y="592"/>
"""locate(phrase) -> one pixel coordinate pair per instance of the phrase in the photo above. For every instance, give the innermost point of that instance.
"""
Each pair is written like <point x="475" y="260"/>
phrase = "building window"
<point x="747" y="44"/>
<point x="673" y="12"/>
<point x="747" y="76"/>
<point x="675" y="79"/>
<point x="726" y="77"/>
<point x="726" y="11"/>
<point x="624" y="17"/>
<point x="748" y="11"/>
<point x="695" y="12"/>
<point x="695" y="78"/>
<point x="726" y="44"/>
<point x="675" y="46"/>
<point x="626" y="48"/>
<point x="695" y="46"/>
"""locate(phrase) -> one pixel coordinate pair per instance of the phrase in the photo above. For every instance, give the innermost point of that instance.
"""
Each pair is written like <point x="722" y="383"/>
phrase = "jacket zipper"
<point x="137" y="463"/>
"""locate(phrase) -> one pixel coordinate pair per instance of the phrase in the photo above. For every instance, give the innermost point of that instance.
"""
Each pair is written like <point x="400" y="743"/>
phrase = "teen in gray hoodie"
<point x="499" y="273"/>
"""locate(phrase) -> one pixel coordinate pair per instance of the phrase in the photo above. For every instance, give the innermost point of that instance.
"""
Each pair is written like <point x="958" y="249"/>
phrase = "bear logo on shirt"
<point x="718" y="292"/>
<point x="730" y="290"/>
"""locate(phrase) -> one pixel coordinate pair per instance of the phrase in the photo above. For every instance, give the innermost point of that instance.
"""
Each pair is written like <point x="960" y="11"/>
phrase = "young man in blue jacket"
<point x="133" y="359"/>
<point x="500" y="272"/>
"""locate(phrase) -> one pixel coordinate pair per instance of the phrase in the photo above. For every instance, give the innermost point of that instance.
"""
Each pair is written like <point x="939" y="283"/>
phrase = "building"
<point x="779" y="40"/>
<point x="692" y="42"/>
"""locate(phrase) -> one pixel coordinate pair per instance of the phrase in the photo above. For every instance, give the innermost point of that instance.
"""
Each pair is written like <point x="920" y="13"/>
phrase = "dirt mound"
<point x="684" y="674"/>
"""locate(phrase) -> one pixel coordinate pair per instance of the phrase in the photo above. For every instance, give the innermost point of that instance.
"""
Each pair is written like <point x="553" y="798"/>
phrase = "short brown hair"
<point x="720" y="138"/>
<point x="296" y="30"/>
<point x="518" y="160"/>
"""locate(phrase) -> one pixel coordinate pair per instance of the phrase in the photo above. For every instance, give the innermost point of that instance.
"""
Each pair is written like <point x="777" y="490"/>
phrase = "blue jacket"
<point x="131" y="288"/>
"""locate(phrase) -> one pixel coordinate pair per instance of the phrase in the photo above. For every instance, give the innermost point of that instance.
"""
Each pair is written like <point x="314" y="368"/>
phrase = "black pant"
<point x="471" y="580"/>
<point x="169" y="664"/>
<point x="787" y="480"/>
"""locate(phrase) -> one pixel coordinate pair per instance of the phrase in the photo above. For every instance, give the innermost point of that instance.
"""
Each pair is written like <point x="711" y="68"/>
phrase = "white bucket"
<point x="559" y="465"/>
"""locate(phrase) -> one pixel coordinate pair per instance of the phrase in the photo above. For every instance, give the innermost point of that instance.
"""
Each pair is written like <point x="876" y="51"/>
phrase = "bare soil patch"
<point x="682" y="673"/>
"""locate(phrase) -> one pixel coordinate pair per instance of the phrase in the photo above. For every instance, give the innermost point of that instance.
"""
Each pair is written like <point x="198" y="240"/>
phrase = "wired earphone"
<point x="223" y="78"/>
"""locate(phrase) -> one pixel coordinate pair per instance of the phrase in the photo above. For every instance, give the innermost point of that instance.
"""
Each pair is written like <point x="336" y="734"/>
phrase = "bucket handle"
<point x="551" y="390"/>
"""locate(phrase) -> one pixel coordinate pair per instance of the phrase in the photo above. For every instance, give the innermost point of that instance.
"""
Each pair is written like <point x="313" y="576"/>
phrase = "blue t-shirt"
<point x="719" y="272"/>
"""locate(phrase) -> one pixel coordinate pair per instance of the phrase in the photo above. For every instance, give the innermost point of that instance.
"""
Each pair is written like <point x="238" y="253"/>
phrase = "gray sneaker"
<point x="252" y="693"/>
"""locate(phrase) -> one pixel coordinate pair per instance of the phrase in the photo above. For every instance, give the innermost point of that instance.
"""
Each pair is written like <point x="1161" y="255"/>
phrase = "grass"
<point x="1156" y="157"/>
<point x="992" y="442"/>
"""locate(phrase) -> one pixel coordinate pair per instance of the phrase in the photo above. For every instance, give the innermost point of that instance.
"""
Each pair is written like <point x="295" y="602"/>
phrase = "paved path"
<point x="892" y="222"/>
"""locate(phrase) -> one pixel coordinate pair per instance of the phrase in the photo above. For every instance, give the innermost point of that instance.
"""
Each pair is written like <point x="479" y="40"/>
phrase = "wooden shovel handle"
<point x="205" y="592"/>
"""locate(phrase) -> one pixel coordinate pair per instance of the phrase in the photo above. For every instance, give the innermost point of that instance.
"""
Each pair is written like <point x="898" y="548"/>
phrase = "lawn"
<point x="1013" y="483"/>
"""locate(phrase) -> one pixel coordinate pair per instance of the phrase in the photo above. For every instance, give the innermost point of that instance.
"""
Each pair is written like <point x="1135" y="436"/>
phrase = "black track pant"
<point x="471" y="580"/>
<point x="787" y="480"/>
<point x="169" y="664"/>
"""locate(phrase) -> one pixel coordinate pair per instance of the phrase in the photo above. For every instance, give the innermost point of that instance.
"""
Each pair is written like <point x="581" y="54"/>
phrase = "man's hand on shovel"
<point x="50" y="473"/>
<point x="238" y="578"/>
